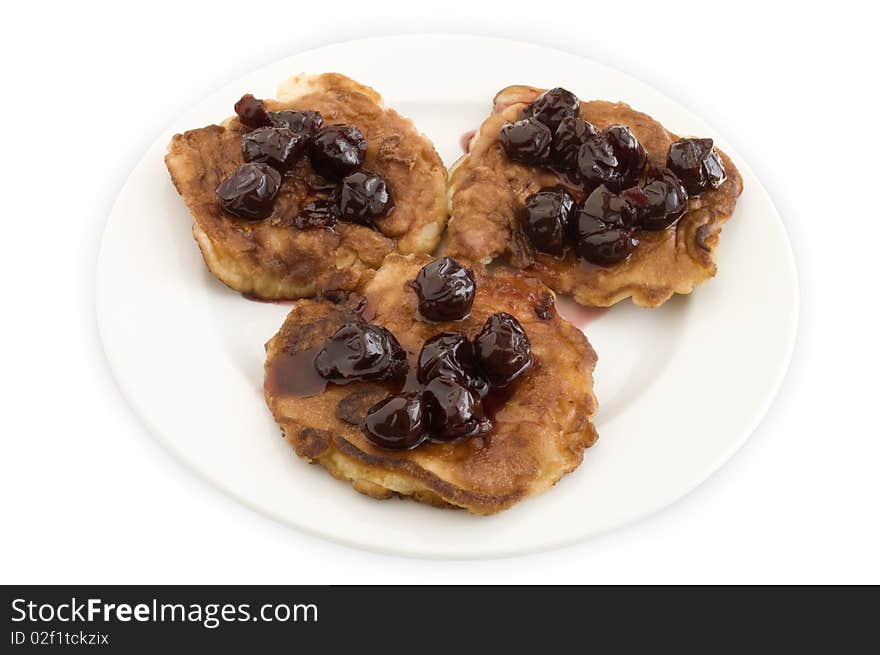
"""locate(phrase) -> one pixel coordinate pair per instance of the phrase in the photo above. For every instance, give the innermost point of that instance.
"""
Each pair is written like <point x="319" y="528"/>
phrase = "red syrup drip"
<point x="465" y="140"/>
<point x="294" y="374"/>
<point x="578" y="314"/>
<point x="496" y="400"/>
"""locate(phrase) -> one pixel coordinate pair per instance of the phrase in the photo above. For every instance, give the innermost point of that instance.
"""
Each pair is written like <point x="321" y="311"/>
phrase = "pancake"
<point x="486" y="190"/>
<point x="272" y="258"/>
<point x="542" y="420"/>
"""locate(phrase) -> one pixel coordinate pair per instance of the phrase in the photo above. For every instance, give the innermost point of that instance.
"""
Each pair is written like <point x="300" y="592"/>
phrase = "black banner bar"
<point x="145" y="619"/>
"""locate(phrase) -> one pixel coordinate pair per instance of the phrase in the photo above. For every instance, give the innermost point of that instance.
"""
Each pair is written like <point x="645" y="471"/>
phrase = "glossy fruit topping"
<point x="455" y="411"/>
<point x="276" y="146"/>
<point x="299" y="122"/>
<point x="615" y="158"/>
<point x="544" y="220"/>
<point x="503" y="349"/>
<point x="631" y="155"/>
<point x="360" y="351"/>
<point x="571" y="134"/>
<point x="363" y="196"/>
<point x="526" y="141"/>
<point x="337" y="150"/>
<point x="605" y="246"/>
<point x="249" y="191"/>
<point x="552" y="106"/>
<point x="597" y="162"/>
<point x="697" y="164"/>
<point x="445" y="290"/>
<point x="316" y="214"/>
<point x="609" y="208"/>
<point x="397" y="422"/>
<point x="602" y="228"/>
<point x="660" y="202"/>
<point x="251" y="112"/>
<point x="451" y="355"/>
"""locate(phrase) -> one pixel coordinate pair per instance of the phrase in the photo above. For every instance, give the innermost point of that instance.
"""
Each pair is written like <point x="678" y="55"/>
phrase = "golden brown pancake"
<point x="486" y="190"/>
<point x="542" y="425"/>
<point x="272" y="258"/>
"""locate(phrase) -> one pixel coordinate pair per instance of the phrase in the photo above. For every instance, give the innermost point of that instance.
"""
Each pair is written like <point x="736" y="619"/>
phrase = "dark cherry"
<point x="526" y="141"/>
<point x="503" y="349"/>
<point x="605" y="246"/>
<point x="276" y="146"/>
<point x="251" y="112"/>
<point x="631" y="155"/>
<point x="615" y="158"/>
<point x="249" y="191"/>
<point x="360" y="351"/>
<point x="544" y="220"/>
<point x="603" y="228"/>
<point x="316" y="214"/>
<point x="609" y="208"/>
<point x="697" y="164"/>
<point x="660" y="202"/>
<point x="552" y="106"/>
<point x="597" y="162"/>
<point x="397" y="422"/>
<point x="299" y="122"/>
<point x="337" y="150"/>
<point x="454" y="411"/>
<point x="362" y="196"/>
<point x="571" y="134"/>
<point x="451" y="355"/>
<point x="445" y="290"/>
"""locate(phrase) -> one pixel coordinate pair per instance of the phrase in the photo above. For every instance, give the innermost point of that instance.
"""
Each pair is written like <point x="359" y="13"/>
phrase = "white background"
<point x="89" y="496"/>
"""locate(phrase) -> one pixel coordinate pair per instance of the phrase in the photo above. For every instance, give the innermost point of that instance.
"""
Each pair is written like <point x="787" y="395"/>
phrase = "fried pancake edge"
<point x="485" y="189"/>
<point x="271" y="259"/>
<point x="474" y="477"/>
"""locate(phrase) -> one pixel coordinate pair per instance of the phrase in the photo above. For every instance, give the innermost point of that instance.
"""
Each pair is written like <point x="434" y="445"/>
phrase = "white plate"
<point x="680" y="387"/>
